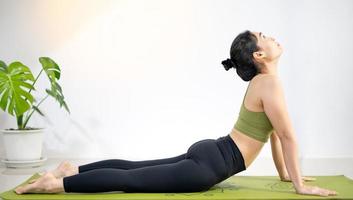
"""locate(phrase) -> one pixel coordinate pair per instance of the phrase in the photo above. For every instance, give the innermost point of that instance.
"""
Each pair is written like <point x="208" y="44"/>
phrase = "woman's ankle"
<point x="59" y="186"/>
<point x="76" y="170"/>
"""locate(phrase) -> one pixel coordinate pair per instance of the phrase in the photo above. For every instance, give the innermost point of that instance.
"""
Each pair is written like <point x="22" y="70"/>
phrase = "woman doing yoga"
<point x="263" y="115"/>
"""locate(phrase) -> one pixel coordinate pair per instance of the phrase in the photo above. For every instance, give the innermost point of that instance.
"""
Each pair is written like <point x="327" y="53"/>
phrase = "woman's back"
<point x="249" y="146"/>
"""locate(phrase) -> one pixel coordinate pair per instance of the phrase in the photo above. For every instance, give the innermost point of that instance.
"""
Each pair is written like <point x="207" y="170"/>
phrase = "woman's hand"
<point x="304" y="178"/>
<point x="314" y="190"/>
<point x="310" y="190"/>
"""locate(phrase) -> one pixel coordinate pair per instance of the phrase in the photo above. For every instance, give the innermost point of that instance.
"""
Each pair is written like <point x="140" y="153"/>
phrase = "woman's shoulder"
<point x="266" y="80"/>
<point x="264" y="83"/>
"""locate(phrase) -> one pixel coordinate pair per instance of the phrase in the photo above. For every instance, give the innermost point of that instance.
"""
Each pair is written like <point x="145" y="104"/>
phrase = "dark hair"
<point x="241" y="56"/>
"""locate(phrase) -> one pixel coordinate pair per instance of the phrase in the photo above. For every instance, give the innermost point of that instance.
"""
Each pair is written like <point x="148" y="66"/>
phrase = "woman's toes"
<point x="18" y="190"/>
<point x="45" y="184"/>
<point x="26" y="189"/>
<point x="32" y="181"/>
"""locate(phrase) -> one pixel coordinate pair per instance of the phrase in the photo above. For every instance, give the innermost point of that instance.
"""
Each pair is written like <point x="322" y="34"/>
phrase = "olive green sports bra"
<point x="254" y="124"/>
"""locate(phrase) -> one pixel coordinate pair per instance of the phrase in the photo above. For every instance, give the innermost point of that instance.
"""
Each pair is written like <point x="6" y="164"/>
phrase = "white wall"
<point x="143" y="79"/>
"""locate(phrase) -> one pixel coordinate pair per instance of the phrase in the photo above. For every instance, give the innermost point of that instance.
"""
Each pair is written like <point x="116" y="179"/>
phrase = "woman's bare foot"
<point x="47" y="183"/>
<point x="65" y="169"/>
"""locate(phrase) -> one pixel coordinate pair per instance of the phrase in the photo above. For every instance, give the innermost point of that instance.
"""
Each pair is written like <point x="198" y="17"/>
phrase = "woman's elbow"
<point x="286" y="135"/>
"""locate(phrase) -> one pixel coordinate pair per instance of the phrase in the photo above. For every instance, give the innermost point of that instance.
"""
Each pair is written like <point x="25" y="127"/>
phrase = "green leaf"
<point x="38" y="111"/>
<point x="26" y="85"/>
<point x="4" y="99"/>
<point x="50" y="68"/>
<point x="3" y="66"/>
<point x="14" y="81"/>
<point x="51" y="93"/>
<point x="67" y="108"/>
<point x="57" y="86"/>
<point x="53" y="72"/>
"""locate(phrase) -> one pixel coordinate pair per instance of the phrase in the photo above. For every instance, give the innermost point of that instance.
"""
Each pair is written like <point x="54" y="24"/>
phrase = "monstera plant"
<point x="16" y="84"/>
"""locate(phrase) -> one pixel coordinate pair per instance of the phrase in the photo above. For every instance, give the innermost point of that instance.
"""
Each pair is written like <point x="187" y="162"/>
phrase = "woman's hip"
<point x="207" y="153"/>
<point x="220" y="155"/>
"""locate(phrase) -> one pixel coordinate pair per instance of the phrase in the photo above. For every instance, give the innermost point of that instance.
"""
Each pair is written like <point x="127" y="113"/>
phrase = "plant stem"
<point x="29" y="116"/>
<point x="19" y="122"/>
<point x="35" y="81"/>
<point x="20" y="118"/>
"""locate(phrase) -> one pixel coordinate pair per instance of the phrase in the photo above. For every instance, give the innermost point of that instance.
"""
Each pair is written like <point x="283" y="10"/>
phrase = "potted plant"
<point x="16" y="84"/>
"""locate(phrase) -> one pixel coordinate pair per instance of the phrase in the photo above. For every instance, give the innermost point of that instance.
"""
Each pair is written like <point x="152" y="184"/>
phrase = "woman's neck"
<point x="269" y="68"/>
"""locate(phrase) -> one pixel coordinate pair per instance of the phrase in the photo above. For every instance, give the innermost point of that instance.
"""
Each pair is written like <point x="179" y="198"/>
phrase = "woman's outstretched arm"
<point x="277" y="156"/>
<point x="275" y="108"/>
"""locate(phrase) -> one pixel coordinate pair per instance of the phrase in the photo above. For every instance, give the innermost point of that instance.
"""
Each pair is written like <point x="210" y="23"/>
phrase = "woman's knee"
<point x="204" y="178"/>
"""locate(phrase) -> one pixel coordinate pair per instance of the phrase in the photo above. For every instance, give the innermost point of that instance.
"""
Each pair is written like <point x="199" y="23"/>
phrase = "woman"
<point x="263" y="115"/>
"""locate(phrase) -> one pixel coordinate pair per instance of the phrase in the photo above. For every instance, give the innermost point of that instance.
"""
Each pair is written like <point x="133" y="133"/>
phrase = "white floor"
<point x="10" y="177"/>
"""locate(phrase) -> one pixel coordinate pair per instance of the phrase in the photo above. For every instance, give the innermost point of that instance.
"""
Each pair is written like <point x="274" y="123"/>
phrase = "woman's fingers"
<point x="314" y="190"/>
<point x="329" y="192"/>
<point x="305" y="178"/>
<point x="324" y="192"/>
<point x="332" y="192"/>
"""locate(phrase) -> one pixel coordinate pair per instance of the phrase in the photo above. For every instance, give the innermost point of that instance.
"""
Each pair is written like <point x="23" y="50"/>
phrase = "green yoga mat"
<point x="235" y="187"/>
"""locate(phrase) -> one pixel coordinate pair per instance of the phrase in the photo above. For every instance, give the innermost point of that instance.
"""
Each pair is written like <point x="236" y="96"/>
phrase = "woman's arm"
<point x="277" y="156"/>
<point x="275" y="108"/>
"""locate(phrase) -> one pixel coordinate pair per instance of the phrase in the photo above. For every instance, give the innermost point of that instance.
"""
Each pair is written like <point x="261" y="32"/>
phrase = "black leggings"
<point x="206" y="163"/>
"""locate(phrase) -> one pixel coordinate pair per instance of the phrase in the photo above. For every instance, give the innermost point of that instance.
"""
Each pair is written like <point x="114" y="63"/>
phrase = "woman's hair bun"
<point x="241" y="56"/>
<point x="228" y="63"/>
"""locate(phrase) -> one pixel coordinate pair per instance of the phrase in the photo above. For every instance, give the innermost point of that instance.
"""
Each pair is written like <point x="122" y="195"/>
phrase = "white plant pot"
<point x="22" y="145"/>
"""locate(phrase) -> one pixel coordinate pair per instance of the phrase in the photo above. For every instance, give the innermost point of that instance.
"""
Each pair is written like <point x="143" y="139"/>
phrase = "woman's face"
<point x="269" y="48"/>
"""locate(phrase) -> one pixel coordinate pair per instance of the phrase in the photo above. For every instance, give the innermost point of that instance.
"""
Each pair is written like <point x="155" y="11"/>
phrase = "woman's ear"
<point x="259" y="56"/>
